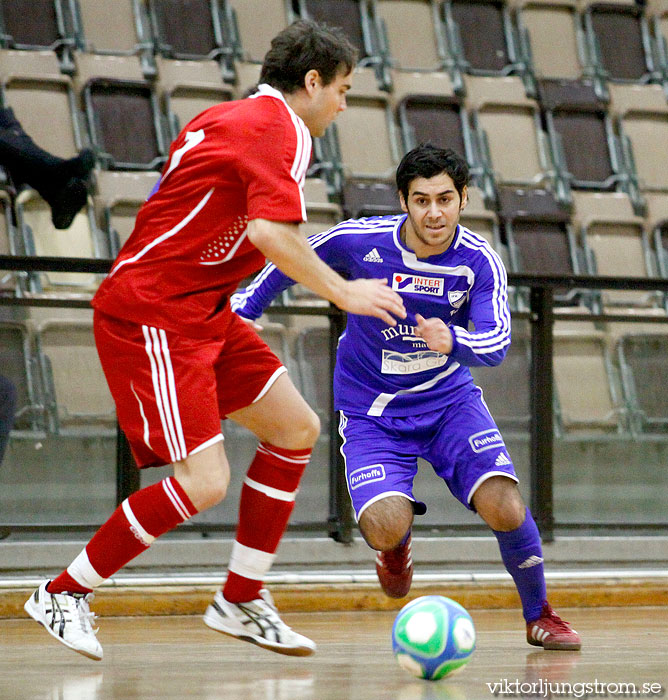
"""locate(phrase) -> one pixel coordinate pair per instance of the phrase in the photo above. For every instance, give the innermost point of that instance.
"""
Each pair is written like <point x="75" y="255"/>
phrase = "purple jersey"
<point x="388" y="371"/>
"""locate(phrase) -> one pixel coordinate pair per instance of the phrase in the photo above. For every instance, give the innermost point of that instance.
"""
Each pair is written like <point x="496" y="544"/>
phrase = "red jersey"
<point x="233" y="163"/>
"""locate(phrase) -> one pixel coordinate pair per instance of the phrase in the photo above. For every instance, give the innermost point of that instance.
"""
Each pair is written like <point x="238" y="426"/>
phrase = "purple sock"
<point x="522" y="555"/>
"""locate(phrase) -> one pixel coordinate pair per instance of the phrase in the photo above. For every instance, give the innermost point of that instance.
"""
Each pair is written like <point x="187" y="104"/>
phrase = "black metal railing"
<point x="541" y="317"/>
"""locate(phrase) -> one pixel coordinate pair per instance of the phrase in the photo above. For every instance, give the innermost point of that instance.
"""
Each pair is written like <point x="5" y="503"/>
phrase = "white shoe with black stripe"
<point x="67" y="617"/>
<point x="257" y="622"/>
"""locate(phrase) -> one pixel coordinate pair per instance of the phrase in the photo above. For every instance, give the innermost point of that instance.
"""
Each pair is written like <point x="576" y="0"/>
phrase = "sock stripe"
<point x="82" y="571"/>
<point x="250" y="563"/>
<point x="277" y="455"/>
<point x="137" y="529"/>
<point x="270" y="491"/>
<point x="176" y="500"/>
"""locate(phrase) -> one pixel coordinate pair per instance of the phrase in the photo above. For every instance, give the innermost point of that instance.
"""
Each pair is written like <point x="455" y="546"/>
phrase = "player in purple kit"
<point x="406" y="391"/>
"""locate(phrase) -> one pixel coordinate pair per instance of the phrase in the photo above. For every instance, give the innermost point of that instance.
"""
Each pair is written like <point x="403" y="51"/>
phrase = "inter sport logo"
<point x="417" y="284"/>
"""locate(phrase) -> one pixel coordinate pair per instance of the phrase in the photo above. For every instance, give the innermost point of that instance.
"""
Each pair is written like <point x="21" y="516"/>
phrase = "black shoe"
<point x="66" y="202"/>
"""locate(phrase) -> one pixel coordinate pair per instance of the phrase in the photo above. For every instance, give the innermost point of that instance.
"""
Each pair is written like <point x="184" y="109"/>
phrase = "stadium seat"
<point x="356" y="19"/>
<point x="313" y="357"/>
<point x="617" y="38"/>
<point x="480" y="219"/>
<point x="369" y="198"/>
<point x="641" y="114"/>
<point x="32" y="98"/>
<point x="257" y="22"/>
<point x="587" y="397"/>
<point x="118" y="28"/>
<point x="124" y="123"/>
<point x="582" y="139"/>
<point x="427" y="109"/>
<point x="195" y="30"/>
<point x="367" y="120"/>
<point x="427" y="50"/>
<point x="550" y="36"/>
<point x="467" y="21"/>
<point x="81" y="240"/>
<point x="187" y="88"/>
<point x="508" y="131"/>
<point x="247" y="78"/>
<point x="656" y="12"/>
<point x="19" y="365"/>
<point x="506" y="387"/>
<point x="118" y="199"/>
<point x="37" y="25"/>
<point x="615" y="243"/>
<point x="537" y="229"/>
<point x="643" y="358"/>
<point x="77" y="397"/>
<point x="8" y="279"/>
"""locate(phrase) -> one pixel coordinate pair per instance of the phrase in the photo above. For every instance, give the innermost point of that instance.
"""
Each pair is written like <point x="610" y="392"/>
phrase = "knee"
<point x="207" y="493"/>
<point x="383" y="541"/>
<point x="303" y="433"/>
<point x="500" y="504"/>
<point x="385" y="523"/>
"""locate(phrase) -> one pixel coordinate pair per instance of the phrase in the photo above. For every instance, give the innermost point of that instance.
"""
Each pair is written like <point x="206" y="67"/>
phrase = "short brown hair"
<point x="305" y="46"/>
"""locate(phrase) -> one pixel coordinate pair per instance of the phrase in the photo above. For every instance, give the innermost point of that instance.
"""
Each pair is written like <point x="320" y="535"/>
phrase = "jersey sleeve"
<point x="270" y="281"/>
<point x="273" y="168"/>
<point x="490" y="315"/>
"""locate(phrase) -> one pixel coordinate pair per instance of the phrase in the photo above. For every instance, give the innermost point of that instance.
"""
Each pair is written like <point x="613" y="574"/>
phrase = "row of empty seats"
<point x="532" y="231"/>
<point x="605" y="376"/>
<point x="620" y="40"/>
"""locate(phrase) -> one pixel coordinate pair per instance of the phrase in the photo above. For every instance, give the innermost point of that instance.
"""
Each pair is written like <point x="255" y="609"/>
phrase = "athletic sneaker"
<point x="395" y="569"/>
<point x="257" y="622"/>
<point x="67" y="617"/>
<point x="551" y="632"/>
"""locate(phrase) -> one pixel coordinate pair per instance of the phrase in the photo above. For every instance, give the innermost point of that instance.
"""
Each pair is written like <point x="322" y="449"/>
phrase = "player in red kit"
<point x="177" y="359"/>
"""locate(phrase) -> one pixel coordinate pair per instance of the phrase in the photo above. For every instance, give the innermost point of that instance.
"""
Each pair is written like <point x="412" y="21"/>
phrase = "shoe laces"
<point x="87" y="618"/>
<point x="549" y="614"/>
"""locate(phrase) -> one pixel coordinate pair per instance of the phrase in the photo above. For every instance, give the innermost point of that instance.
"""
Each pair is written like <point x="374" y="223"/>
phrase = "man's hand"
<point x="372" y="297"/>
<point x="435" y="333"/>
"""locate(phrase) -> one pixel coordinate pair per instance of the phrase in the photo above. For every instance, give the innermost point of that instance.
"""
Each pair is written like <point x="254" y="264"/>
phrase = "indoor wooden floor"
<point x="170" y="658"/>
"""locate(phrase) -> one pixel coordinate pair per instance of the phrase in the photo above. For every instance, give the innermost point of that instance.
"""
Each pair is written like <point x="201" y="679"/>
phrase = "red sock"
<point x="267" y="500"/>
<point x="130" y="530"/>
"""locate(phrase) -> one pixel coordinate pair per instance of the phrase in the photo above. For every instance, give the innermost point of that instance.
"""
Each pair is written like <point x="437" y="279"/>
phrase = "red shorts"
<point x="172" y="391"/>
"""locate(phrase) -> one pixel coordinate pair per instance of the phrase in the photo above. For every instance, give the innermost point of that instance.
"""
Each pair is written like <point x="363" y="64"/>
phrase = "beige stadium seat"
<point x="81" y="240"/>
<point x="45" y="106"/>
<point x="8" y="280"/>
<point x="247" y="78"/>
<point x="478" y="218"/>
<point x="641" y="112"/>
<point x="366" y="135"/>
<point x="420" y="19"/>
<point x="508" y="123"/>
<point x="588" y="399"/>
<point x="550" y="32"/>
<point x="78" y="399"/>
<point x="120" y="195"/>
<point x="615" y="243"/>
<point x="119" y="27"/>
<point x="187" y="88"/>
<point x="258" y="21"/>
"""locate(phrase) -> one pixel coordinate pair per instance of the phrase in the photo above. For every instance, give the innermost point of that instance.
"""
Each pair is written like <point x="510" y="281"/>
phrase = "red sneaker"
<point x="395" y="570"/>
<point x="551" y="632"/>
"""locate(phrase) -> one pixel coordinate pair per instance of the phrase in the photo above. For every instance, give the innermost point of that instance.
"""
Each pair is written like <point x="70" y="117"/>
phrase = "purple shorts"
<point x="462" y="443"/>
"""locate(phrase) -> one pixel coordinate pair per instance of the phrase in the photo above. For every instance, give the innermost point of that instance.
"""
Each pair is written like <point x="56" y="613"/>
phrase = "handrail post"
<point x="542" y="426"/>
<point x="340" y="522"/>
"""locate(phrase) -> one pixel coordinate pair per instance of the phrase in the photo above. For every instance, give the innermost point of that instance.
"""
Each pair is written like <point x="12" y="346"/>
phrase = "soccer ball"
<point x="433" y="637"/>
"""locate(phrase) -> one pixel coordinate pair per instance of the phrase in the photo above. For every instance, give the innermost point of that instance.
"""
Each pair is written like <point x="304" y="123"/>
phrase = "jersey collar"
<point x="266" y="90"/>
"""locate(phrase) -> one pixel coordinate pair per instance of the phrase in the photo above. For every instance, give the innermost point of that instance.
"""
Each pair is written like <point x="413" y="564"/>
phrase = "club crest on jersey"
<point x="417" y="284"/>
<point x="456" y="297"/>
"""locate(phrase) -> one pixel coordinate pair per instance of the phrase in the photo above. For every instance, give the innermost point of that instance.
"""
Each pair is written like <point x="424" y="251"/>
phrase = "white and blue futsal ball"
<point x="433" y="637"/>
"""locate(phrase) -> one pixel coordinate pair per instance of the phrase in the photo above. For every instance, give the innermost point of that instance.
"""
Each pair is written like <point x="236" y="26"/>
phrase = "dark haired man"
<point x="177" y="359"/>
<point x="405" y="391"/>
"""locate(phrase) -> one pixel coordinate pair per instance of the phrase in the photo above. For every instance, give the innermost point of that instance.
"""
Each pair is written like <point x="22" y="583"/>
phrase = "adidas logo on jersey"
<point x="533" y="560"/>
<point x="373" y="256"/>
<point x="501" y="460"/>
